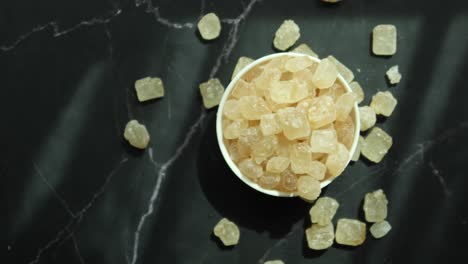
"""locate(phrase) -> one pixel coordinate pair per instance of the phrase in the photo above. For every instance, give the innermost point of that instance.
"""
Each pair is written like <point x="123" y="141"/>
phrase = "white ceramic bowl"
<point x="219" y="127"/>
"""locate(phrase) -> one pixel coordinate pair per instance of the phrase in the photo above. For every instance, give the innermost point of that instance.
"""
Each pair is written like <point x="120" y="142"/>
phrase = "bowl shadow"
<point x="238" y="202"/>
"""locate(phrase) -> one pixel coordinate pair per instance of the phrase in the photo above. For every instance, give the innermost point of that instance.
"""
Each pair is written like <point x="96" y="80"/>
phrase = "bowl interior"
<point x="219" y="128"/>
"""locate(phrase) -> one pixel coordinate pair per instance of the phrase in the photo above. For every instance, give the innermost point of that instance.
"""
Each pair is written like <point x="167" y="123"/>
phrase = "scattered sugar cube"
<point x="384" y="40"/>
<point x="323" y="210"/>
<point x="308" y="188"/>
<point x="322" y="111"/>
<point x="277" y="164"/>
<point x="288" y="92"/>
<point x="253" y="107"/>
<point x="336" y="162"/>
<point x="227" y="232"/>
<point x="350" y="232"/>
<point x="136" y="134"/>
<point x="149" y="88"/>
<point x="250" y="169"/>
<point x="296" y="64"/>
<point x="325" y="75"/>
<point x="242" y="88"/>
<point x="269" y="124"/>
<point x="288" y="180"/>
<point x="277" y="261"/>
<point x="264" y="148"/>
<point x="367" y="117"/>
<point x="347" y="74"/>
<point x="375" y="206"/>
<point x="305" y="49"/>
<point x="211" y="92"/>
<point x="357" y="152"/>
<point x="323" y="141"/>
<point x="357" y="90"/>
<point x="394" y="75"/>
<point x="242" y="62"/>
<point x="383" y="103"/>
<point x="294" y="123"/>
<point x="234" y="129"/>
<point x="269" y="180"/>
<point x="286" y="35"/>
<point x="345" y="131"/>
<point x="320" y="237"/>
<point x="380" y="229"/>
<point x="344" y="105"/>
<point x="231" y="109"/>
<point x="209" y="26"/>
<point x="376" y="145"/>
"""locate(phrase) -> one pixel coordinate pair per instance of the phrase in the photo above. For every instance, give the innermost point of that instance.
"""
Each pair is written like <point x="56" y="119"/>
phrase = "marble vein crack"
<point x="428" y="145"/>
<point x="226" y="51"/>
<point x="279" y="243"/>
<point x="78" y="216"/>
<point x="379" y="170"/>
<point x="164" y="21"/>
<point x="160" y="178"/>
<point x="109" y="38"/>
<point x="441" y="178"/>
<point x="56" y="194"/>
<point x="77" y="249"/>
<point x="57" y="31"/>
<point x="233" y="36"/>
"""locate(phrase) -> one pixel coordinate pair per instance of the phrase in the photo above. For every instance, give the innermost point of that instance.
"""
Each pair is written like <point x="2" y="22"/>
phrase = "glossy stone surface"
<point x="375" y="206"/>
<point x="66" y="98"/>
<point x="376" y="145"/>
<point x="211" y="92"/>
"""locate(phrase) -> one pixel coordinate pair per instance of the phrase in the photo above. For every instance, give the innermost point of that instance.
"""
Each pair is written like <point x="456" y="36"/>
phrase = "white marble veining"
<point x="57" y="31"/>
<point x="66" y="232"/>
<point x="226" y="51"/>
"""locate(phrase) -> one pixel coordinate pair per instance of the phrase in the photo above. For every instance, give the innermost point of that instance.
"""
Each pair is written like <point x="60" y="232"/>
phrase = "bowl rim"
<point x="219" y="128"/>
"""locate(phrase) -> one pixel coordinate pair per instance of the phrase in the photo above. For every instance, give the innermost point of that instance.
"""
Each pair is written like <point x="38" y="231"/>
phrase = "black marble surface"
<point x="74" y="192"/>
